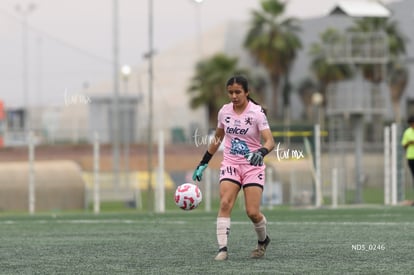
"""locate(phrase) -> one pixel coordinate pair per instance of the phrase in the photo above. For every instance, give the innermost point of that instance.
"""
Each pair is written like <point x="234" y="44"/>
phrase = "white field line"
<point x="125" y="221"/>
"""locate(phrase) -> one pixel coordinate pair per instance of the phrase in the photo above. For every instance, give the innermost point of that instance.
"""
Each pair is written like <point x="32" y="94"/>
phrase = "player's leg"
<point x="411" y="166"/>
<point x="253" y="196"/>
<point x="254" y="179"/>
<point x="228" y="195"/>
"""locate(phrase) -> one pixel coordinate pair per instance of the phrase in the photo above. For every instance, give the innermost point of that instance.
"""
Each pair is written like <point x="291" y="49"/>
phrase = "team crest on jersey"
<point x="238" y="147"/>
<point x="248" y="121"/>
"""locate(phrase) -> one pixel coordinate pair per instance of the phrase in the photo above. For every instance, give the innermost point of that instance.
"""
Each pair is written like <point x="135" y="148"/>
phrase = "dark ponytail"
<point x="255" y="102"/>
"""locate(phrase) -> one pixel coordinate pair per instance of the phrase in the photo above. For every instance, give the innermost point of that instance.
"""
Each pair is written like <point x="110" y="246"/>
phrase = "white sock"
<point x="223" y="231"/>
<point x="260" y="229"/>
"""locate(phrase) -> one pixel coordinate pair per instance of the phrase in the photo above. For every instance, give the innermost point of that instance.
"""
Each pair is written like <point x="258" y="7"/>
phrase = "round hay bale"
<point x="58" y="186"/>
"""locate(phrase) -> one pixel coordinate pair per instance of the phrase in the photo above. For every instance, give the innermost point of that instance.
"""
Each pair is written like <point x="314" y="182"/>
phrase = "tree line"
<point x="273" y="41"/>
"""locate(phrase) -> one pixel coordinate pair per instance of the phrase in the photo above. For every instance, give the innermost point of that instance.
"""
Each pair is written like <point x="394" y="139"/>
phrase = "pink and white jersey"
<point x="242" y="132"/>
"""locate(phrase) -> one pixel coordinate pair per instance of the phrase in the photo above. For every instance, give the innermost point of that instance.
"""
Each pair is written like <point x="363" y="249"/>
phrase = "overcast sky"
<point x="73" y="34"/>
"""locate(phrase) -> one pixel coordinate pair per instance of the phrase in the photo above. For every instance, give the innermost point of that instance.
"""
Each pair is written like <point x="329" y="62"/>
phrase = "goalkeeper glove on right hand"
<point x="198" y="172"/>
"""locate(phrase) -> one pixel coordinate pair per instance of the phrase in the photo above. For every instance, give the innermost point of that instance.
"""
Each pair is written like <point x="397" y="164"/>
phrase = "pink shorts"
<point x="244" y="175"/>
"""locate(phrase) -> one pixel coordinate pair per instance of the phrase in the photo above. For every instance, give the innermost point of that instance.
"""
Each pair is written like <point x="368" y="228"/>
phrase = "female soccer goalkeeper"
<point x="243" y="123"/>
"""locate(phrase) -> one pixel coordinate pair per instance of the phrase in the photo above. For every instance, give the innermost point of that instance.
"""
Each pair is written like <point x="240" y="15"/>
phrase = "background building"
<point x="78" y="116"/>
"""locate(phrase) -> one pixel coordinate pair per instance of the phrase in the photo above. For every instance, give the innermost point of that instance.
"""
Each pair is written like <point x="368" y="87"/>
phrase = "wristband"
<point x="206" y="158"/>
<point x="264" y="151"/>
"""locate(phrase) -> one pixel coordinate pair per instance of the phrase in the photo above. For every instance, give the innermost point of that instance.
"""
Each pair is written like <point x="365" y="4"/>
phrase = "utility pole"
<point x="115" y="104"/>
<point x="25" y="12"/>
<point x="150" y="103"/>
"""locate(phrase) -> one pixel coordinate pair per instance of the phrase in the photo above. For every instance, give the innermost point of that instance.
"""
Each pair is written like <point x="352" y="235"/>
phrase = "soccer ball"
<point x="188" y="196"/>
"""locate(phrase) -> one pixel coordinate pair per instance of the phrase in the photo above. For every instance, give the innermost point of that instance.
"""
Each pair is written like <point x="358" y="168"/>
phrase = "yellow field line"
<point x="297" y="133"/>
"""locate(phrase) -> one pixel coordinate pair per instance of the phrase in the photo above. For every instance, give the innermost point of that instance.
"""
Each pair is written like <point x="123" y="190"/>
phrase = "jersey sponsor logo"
<point x="237" y="130"/>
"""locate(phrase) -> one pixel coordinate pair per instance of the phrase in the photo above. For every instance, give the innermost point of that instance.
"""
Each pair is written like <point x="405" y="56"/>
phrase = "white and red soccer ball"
<point x="188" y="196"/>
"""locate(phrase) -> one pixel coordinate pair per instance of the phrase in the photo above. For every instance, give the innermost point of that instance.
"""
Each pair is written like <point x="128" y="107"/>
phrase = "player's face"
<point x="237" y="95"/>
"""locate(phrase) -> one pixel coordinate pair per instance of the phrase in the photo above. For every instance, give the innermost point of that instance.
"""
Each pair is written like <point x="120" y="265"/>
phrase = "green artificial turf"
<point x="374" y="240"/>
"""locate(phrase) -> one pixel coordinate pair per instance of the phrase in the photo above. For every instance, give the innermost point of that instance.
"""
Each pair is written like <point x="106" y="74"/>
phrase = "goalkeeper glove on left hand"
<point x="256" y="158"/>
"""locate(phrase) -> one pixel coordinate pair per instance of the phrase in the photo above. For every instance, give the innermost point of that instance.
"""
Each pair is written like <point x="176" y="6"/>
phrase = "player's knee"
<point x="254" y="215"/>
<point x="226" y="205"/>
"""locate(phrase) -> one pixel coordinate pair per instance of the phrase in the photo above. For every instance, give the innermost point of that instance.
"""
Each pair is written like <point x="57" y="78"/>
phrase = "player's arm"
<point x="406" y="141"/>
<point x="216" y="141"/>
<point x="405" y="145"/>
<point x="256" y="158"/>
<point x="212" y="149"/>
<point x="268" y="140"/>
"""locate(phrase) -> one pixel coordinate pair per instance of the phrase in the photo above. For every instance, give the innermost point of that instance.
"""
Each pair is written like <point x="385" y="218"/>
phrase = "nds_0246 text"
<point x="368" y="247"/>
